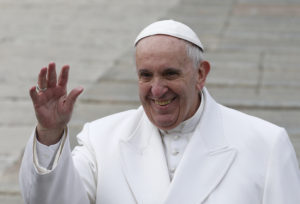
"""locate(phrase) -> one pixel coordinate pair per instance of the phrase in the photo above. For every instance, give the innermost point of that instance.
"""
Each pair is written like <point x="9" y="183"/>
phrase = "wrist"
<point x="49" y="136"/>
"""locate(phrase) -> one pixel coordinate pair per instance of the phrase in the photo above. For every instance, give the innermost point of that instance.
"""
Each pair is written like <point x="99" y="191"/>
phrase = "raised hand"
<point x="53" y="106"/>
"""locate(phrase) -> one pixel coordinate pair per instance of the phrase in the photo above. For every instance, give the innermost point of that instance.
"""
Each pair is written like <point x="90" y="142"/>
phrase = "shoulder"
<point x="232" y="116"/>
<point x="117" y="119"/>
<point x="240" y="128"/>
<point x="115" y="122"/>
<point x="111" y="127"/>
<point x="236" y="122"/>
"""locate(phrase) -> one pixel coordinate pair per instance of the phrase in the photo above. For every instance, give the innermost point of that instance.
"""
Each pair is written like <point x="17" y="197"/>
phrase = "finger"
<point x="51" y="75"/>
<point x="63" y="76"/>
<point x="73" y="95"/>
<point x="42" y="81"/>
<point x="33" y="94"/>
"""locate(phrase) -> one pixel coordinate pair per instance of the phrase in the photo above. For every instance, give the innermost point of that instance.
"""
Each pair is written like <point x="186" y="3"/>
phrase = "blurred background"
<point x="253" y="47"/>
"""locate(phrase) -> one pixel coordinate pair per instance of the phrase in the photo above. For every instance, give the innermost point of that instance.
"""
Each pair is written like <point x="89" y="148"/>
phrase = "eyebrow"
<point x="143" y="71"/>
<point x="177" y="71"/>
<point x="172" y="70"/>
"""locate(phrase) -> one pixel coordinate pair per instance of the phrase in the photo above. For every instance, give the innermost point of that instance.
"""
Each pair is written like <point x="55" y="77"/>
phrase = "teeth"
<point x="162" y="103"/>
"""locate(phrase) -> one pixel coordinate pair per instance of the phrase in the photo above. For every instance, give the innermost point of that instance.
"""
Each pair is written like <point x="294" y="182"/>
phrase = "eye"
<point x="145" y="75"/>
<point x="171" y="73"/>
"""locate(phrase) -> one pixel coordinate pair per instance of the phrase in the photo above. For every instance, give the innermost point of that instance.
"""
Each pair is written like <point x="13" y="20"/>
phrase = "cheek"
<point x="143" y="90"/>
<point x="187" y="95"/>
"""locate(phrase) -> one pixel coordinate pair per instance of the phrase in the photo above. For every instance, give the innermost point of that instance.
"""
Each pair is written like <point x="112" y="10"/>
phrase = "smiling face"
<point x="169" y="85"/>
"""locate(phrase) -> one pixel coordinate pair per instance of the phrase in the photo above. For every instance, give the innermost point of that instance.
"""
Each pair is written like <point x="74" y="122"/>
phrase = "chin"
<point x="163" y="121"/>
<point x="165" y="124"/>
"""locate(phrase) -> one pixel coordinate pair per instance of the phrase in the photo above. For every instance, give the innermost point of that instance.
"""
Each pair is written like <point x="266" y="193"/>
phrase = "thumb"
<point x="71" y="98"/>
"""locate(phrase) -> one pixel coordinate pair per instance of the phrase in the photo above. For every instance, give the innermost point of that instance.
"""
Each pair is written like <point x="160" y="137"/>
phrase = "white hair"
<point x="194" y="53"/>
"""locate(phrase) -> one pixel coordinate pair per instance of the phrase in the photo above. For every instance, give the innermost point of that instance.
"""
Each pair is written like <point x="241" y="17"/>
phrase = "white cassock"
<point x="231" y="158"/>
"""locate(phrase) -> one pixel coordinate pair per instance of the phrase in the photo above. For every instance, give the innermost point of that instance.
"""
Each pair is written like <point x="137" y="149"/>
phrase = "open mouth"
<point x="163" y="102"/>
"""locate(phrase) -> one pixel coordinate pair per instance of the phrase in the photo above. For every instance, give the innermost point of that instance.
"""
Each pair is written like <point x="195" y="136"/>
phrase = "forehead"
<point x="161" y="52"/>
<point x="160" y="43"/>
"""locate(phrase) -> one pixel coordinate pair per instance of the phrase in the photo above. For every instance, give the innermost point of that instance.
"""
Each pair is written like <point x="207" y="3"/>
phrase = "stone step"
<point x="272" y="97"/>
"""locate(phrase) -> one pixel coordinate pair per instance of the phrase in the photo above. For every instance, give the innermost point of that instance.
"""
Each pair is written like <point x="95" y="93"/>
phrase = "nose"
<point x="158" y="88"/>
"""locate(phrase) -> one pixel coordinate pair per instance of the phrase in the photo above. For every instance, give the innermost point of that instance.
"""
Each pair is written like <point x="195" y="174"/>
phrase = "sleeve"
<point x="45" y="157"/>
<point x="282" y="184"/>
<point x="62" y="184"/>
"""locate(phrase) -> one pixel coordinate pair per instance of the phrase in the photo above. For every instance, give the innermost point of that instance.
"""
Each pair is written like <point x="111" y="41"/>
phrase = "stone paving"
<point x="253" y="47"/>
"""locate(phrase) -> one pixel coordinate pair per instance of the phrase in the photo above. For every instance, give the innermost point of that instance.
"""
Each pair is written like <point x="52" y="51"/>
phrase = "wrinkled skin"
<point x="169" y="84"/>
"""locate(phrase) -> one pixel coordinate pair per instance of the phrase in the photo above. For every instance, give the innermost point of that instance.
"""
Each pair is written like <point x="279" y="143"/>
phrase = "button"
<point x="176" y="137"/>
<point x="172" y="169"/>
<point x="175" y="152"/>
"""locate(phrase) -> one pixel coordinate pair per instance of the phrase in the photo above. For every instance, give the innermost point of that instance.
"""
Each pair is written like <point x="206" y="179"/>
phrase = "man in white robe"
<point x="179" y="147"/>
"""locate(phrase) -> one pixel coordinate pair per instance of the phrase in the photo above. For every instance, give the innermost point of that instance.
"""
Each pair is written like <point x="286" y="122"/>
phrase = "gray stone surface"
<point x="253" y="47"/>
<point x="89" y="35"/>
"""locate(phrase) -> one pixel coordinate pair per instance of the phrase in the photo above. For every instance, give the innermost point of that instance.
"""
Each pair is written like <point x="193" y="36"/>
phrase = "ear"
<point x="203" y="70"/>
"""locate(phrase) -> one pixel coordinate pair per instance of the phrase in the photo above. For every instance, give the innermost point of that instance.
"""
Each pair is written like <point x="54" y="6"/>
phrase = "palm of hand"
<point x="53" y="107"/>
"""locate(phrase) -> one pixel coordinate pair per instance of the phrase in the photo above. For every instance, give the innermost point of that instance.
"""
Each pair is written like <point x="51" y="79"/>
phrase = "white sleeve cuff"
<point x="45" y="158"/>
